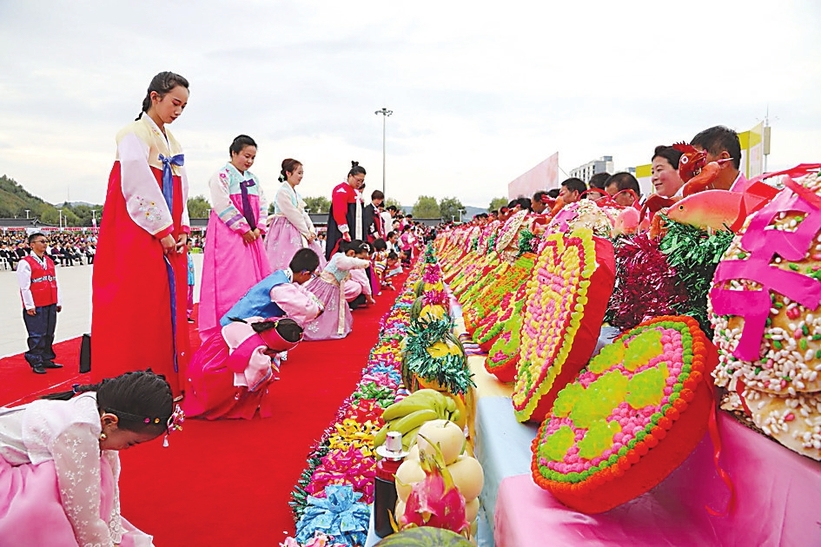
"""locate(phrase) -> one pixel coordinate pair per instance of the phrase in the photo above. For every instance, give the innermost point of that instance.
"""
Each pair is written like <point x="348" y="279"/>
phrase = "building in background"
<point x="602" y="165"/>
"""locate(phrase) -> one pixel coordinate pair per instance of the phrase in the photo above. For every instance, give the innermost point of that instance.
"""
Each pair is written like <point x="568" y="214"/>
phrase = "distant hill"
<point x="16" y="200"/>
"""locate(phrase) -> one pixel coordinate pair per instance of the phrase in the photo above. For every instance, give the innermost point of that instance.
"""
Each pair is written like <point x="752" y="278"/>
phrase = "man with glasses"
<point x="41" y="302"/>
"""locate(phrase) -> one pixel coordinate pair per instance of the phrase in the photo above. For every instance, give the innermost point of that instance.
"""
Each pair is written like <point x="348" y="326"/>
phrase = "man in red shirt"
<point x="41" y="303"/>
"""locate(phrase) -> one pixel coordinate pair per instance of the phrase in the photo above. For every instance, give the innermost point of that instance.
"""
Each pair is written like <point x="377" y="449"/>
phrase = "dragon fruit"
<point x="435" y="501"/>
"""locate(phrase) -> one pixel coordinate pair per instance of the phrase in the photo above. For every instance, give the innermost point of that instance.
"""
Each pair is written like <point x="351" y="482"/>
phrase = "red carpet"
<point x="228" y="482"/>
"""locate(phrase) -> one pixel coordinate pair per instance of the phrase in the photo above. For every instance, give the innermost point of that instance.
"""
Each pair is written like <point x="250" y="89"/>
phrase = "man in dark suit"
<point x="372" y="217"/>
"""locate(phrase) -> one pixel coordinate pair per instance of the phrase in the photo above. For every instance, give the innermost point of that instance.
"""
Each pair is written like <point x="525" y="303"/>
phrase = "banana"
<point x="409" y="438"/>
<point x="418" y="400"/>
<point x="413" y="420"/>
<point x="381" y="435"/>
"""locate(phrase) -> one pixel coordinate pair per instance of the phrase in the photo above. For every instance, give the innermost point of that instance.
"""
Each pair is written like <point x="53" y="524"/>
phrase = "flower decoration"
<point x="339" y="514"/>
<point x="352" y="466"/>
<point x="566" y="301"/>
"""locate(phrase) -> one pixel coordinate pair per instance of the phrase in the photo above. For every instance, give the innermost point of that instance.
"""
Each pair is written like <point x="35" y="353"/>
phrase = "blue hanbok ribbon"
<point x="247" y="212"/>
<point x="168" y="194"/>
<point x="339" y="514"/>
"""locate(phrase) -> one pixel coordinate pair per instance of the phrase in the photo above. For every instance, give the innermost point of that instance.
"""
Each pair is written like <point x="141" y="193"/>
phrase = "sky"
<point x="480" y="92"/>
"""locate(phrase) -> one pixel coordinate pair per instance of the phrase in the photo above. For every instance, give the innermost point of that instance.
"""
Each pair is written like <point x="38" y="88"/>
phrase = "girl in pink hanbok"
<point x="230" y="374"/>
<point x="235" y="256"/>
<point x="336" y="321"/>
<point x="291" y="226"/>
<point x="59" y="462"/>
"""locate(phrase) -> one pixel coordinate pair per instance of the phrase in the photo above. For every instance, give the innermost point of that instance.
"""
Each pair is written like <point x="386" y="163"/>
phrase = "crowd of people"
<point x="65" y="248"/>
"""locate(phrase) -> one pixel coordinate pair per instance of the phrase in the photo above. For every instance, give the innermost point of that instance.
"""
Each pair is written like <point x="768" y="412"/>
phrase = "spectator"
<point x="722" y="143"/>
<point x="665" y="179"/>
<point x="624" y="187"/>
<point x="598" y="180"/>
<point x="571" y="190"/>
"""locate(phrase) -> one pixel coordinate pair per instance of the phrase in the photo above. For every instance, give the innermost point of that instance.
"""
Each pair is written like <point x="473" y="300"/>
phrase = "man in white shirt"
<point x="40" y="293"/>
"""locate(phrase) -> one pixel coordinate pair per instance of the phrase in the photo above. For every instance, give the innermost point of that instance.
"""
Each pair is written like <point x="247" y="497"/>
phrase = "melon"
<point x="425" y="536"/>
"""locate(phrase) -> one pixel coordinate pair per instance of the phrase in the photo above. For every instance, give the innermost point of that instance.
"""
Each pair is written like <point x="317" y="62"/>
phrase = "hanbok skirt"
<point x="137" y="321"/>
<point x="336" y="321"/>
<point x="32" y="514"/>
<point x="229" y="269"/>
<point x="210" y="391"/>
<point x="284" y="240"/>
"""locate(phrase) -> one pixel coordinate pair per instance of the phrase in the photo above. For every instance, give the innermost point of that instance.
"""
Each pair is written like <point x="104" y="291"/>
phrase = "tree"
<point x="497" y="203"/>
<point x="318" y="205"/>
<point x="198" y="207"/>
<point x="451" y="209"/>
<point x="394" y="202"/>
<point x="426" y="207"/>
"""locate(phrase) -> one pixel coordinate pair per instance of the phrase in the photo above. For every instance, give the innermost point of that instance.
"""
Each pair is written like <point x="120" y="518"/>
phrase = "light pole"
<point x="27" y="213"/>
<point x="61" y="219"/>
<point x="385" y="113"/>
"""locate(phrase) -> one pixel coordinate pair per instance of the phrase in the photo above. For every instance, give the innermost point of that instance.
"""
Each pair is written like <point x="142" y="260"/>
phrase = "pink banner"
<point x="542" y="177"/>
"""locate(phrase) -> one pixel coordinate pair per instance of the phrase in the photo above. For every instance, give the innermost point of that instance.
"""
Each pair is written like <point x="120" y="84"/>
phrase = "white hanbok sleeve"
<point x="77" y="462"/>
<point x="351" y="263"/>
<point x="185" y="220"/>
<point x="223" y="206"/>
<point x="143" y="197"/>
<point x="263" y="209"/>
<point x="294" y="215"/>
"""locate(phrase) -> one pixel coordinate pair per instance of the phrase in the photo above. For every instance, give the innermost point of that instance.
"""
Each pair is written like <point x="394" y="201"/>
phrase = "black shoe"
<point x="51" y="364"/>
<point x="38" y="369"/>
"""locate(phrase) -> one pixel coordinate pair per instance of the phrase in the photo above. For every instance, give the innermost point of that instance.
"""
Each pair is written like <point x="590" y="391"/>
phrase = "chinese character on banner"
<point x="764" y="243"/>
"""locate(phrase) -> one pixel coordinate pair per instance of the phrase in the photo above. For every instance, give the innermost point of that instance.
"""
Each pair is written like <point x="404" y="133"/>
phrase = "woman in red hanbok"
<point x="139" y="281"/>
<point x="345" y="217"/>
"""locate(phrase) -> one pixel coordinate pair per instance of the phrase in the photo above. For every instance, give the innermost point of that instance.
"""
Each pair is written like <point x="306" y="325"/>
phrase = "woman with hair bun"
<point x="60" y="464"/>
<point x="291" y="226"/>
<point x="345" y="217"/>
<point x="235" y="258"/>
<point x="231" y="373"/>
<point x="139" y="283"/>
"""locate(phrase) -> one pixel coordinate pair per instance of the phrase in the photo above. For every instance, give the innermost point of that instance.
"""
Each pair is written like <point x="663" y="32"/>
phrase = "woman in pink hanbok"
<point x="329" y="288"/>
<point x="59" y="462"/>
<point x="291" y="226"/>
<point x="230" y="374"/>
<point x="235" y="258"/>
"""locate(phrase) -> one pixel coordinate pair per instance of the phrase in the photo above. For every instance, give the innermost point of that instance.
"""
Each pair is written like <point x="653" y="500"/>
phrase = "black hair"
<point x="377" y="194"/>
<point x="285" y="326"/>
<point x="359" y="246"/>
<point x="289" y="165"/>
<point x="141" y="400"/>
<point x="553" y="193"/>
<point x="239" y="144"/>
<point x="523" y="203"/>
<point x="574" y="184"/>
<point x="406" y="228"/>
<point x="390" y="234"/>
<point x="356" y="169"/>
<point x="304" y="260"/>
<point x="716" y="140"/>
<point x="598" y="180"/>
<point x="624" y="181"/>
<point x="669" y="153"/>
<point x="392" y="255"/>
<point x="392" y="208"/>
<point x="162" y="83"/>
<point x="34" y="235"/>
<point x="539" y="195"/>
<point x="379" y="244"/>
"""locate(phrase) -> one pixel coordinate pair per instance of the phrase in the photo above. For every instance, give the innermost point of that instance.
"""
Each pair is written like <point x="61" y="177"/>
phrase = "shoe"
<point x="51" y="364"/>
<point x="190" y="320"/>
<point x="38" y="369"/>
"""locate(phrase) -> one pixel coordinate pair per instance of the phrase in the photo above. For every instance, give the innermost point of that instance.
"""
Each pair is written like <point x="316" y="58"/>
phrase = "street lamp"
<point x="61" y="218"/>
<point x="27" y="213"/>
<point x="385" y="113"/>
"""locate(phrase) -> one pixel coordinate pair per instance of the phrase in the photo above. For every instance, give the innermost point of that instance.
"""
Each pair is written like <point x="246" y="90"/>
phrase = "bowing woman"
<point x="139" y="283"/>
<point x="345" y="217"/>
<point x="235" y="258"/>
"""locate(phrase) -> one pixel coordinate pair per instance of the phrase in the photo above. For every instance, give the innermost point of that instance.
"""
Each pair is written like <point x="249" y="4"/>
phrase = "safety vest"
<point x="43" y="281"/>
